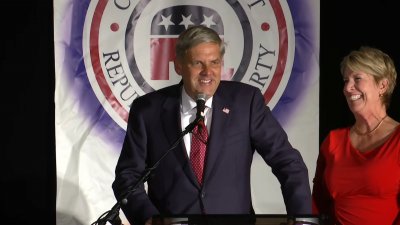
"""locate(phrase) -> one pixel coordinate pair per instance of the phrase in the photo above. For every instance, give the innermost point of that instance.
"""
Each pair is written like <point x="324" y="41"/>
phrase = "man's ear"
<point x="178" y="67"/>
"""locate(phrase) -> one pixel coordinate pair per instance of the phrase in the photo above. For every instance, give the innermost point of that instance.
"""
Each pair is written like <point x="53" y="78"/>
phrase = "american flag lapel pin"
<point x="225" y="110"/>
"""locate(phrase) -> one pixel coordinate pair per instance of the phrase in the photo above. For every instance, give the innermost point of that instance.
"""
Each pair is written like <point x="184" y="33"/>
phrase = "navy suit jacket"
<point x="248" y="125"/>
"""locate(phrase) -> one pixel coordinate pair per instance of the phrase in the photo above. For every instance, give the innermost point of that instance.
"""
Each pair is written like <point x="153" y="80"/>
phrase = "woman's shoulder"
<point x="392" y="129"/>
<point x="338" y="132"/>
<point x="335" y="137"/>
<point x="396" y="131"/>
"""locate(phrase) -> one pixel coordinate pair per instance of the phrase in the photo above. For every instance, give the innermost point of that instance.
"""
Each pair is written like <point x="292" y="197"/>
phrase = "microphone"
<point x="201" y="105"/>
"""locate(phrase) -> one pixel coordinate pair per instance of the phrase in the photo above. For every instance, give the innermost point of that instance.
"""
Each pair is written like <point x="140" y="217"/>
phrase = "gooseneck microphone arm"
<point x="112" y="216"/>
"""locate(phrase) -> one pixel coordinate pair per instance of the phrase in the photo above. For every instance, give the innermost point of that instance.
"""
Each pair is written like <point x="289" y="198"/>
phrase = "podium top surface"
<point x="236" y="220"/>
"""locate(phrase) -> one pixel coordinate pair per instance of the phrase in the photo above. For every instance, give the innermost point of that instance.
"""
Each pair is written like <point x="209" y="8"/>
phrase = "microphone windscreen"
<point x="201" y="104"/>
<point x="201" y="96"/>
<point x="124" y="201"/>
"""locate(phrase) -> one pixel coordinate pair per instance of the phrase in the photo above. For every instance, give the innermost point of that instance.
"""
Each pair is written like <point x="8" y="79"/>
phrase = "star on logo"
<point x="166" y="22"/>
<point x="208" y="21"/>
<point x="186" y="21"/>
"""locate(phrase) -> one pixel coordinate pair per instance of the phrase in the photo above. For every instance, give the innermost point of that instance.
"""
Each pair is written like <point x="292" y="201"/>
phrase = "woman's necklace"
<point x="371" y="131"/>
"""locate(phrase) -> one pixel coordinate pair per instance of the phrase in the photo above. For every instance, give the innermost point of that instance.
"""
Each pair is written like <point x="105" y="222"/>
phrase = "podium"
<point x="237" y="220"/>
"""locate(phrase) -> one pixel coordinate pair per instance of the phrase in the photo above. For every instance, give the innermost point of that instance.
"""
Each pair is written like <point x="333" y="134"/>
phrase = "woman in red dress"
<point x="357" y="179"/>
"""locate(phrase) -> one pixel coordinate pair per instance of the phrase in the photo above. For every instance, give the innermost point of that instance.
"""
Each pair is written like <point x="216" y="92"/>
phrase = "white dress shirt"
<point x="188" y="114"/>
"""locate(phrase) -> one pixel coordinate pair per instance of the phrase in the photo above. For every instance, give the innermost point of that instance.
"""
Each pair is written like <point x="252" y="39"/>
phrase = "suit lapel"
<point x="172" y="129"/>
<point x="220" y="119"/>
<point x="170" y="117"/>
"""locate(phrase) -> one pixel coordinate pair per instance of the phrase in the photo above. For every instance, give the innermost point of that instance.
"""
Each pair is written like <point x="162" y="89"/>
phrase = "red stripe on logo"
<point x="95" y="59"/>
<point x="283" y="51"/>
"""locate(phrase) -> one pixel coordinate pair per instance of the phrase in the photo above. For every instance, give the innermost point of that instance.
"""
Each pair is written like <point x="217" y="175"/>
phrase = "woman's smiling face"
<point x="361" y="91"/>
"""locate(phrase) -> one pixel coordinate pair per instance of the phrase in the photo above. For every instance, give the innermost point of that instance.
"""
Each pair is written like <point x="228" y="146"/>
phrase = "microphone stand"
<point x="112" y="215"/>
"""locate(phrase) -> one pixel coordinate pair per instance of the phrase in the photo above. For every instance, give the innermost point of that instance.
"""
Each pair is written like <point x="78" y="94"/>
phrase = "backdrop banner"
<point x="108" y="53"/>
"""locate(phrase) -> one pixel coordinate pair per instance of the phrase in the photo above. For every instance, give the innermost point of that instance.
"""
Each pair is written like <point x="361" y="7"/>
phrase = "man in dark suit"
<point x="237" y="122"/>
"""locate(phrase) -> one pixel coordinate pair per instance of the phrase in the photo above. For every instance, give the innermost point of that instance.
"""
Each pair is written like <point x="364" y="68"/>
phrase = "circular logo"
<point x="129" y="46"/>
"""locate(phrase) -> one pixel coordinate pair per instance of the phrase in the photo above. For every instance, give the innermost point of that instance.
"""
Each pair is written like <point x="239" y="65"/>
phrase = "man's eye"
<point x="217" y="62"/>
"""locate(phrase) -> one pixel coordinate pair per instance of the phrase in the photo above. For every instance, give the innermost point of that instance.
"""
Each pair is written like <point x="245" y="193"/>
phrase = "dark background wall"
<point x="27" y="148"/>
<point x="346" y="25"/>
<point x="27" y="154"/>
